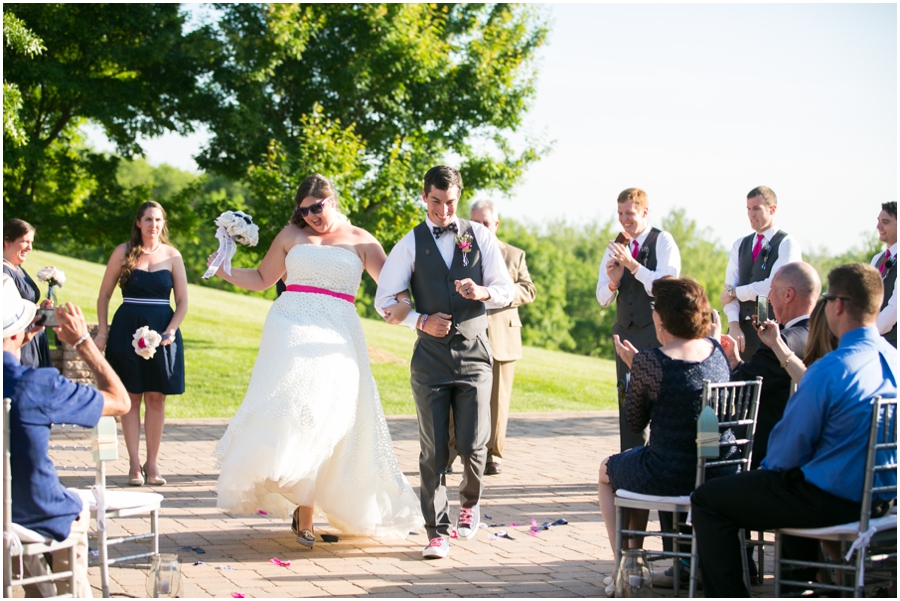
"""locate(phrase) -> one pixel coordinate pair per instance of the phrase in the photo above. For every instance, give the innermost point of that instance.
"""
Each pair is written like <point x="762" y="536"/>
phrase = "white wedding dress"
<point x="311" y="430"/>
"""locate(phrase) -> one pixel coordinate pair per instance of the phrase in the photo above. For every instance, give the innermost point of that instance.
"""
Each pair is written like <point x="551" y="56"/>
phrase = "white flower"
<point x="52" y="275"/>
<point x="145" y="342"/>
<point x="225" y="218"/>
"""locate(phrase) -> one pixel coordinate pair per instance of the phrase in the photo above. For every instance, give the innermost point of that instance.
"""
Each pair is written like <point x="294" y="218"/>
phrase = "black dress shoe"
<point x="492" y="468"/>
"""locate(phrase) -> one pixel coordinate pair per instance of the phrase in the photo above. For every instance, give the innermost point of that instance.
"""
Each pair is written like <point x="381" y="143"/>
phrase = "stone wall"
<point x="65" y="358"/>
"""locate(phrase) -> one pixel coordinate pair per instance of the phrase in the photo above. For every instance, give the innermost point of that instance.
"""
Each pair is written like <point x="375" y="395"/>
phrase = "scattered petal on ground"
<point x="278" y="562"/>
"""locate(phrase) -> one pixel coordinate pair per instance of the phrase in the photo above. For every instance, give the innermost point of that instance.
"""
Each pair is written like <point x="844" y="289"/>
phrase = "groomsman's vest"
<point x="633" y="302"/>
<point x="889" y="277"/>
<point x="750" y="271"/>
<point x="432" y="284"/>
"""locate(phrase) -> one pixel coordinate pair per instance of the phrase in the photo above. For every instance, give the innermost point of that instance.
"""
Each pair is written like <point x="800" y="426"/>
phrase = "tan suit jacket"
<point x="504" y="325"/>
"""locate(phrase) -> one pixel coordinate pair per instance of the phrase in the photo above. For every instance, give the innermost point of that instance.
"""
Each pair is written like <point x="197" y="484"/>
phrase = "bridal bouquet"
<point x="233" y="226"/>
<point x="145" y="342"/>
<point x="53" y="277"/>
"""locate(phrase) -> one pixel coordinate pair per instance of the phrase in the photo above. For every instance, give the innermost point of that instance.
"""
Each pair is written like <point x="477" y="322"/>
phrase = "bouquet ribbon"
<point x="226" y="251"/>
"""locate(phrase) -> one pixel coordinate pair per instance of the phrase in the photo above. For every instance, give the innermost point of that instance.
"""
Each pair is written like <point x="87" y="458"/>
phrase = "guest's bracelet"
<point x="101" y="335"/>
<point x="424" y="318"/>
<point x="787" y="360"/>
<point x="610" y="286"/>
<point x="82" y="339"/>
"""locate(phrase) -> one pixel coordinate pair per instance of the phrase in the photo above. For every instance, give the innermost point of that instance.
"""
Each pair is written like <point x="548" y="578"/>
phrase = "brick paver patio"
<point x="550" y="473"/>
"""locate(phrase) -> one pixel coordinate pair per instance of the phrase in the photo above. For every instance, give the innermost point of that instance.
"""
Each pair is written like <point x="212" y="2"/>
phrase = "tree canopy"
<point x="370" y="95"/>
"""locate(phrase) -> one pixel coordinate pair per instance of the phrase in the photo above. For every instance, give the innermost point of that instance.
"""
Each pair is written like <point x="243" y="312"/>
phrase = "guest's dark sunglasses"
<point x="831" y="297"/>
<point x="315" y="209"/>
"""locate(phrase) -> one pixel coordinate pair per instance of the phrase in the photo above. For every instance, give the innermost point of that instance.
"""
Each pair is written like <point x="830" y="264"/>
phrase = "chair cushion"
<point x="884" y="523"/>
<point x="29" y="536"/>
<point x="121" y="499"/>
<point x="627" y="494"/>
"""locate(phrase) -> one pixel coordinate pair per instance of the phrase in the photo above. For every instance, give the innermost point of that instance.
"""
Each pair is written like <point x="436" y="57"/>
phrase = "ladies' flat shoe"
<point x="159" y="481"/>
<point x="137" y="480"/>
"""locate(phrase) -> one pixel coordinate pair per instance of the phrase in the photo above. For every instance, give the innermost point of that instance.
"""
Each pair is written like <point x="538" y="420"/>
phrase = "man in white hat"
<point x="41" y="397"/>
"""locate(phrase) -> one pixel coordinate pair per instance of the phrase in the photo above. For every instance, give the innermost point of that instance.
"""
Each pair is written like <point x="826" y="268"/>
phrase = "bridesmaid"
<point x="18" y="241"/>
<point x="148" y="269"/>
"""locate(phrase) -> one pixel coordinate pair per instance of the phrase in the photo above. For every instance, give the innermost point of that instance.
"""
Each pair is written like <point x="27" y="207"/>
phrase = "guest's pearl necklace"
<point x="150" y="252"/>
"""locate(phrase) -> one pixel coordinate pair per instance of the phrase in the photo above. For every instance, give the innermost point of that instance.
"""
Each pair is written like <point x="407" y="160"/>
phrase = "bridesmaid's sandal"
<point x="137" y="480"/>
<point x="158" y="481"/>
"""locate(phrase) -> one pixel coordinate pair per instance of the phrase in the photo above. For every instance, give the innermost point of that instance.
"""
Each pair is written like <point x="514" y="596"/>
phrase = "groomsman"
<point x="753" y="261"/>
<point x="886" y="263"/>
<point x="455" y="271"/>
<point x="627" y="273"/>
<point x="505" y="333"/>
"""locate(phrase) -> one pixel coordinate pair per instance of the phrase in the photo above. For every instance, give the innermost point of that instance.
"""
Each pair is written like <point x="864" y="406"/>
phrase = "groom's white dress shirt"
<point x="398" y="269"/>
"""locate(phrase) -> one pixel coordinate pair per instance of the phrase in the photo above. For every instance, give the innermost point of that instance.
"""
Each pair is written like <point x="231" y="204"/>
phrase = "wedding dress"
<point x="311" y="430"/>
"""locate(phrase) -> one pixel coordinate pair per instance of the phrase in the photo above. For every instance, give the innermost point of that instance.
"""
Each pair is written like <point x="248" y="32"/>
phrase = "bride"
<point x="311" y="432"/>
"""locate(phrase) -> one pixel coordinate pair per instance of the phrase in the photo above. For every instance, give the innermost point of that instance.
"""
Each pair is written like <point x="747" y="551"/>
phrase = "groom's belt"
<point x="313" y="290"/>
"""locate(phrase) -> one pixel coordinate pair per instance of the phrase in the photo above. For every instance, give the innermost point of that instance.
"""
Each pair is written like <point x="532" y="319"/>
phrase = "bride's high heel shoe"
<point x="305" y="537"/>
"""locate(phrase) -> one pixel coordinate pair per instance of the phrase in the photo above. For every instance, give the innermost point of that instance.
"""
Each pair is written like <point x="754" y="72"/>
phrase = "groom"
<point x="454" y="270"/>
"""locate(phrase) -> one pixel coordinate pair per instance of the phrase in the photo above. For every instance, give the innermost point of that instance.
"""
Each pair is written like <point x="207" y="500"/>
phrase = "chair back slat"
<point x="882" y="440"/>
<point x="735" y="405"/>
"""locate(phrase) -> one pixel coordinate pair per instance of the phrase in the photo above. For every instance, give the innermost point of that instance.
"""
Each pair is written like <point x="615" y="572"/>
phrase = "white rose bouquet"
<point x="145" y="342"/>
<point x="233" y="226"/>
<point x="53" y="277"/>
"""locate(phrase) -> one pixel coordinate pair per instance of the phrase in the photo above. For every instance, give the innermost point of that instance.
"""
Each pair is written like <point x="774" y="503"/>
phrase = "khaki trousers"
<point x="35" y="565"/>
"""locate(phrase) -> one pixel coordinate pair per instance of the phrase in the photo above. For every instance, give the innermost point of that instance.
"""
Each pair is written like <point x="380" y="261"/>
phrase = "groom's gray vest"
<point x="432" y="284"/>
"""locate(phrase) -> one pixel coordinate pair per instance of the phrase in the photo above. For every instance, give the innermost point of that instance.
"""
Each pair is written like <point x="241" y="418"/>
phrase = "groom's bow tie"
<point x="438" y="230"/>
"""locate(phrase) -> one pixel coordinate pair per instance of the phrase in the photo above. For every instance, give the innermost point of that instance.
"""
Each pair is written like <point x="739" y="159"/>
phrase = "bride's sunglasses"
<point x="315" y="209"/>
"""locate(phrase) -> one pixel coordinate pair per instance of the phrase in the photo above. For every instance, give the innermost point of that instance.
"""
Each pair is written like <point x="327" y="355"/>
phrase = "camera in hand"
<point x="47" y="318"/>
<point x="762" y="310"/>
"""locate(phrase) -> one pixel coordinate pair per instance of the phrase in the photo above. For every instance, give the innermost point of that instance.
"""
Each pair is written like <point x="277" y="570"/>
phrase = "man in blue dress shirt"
<point x="812" y="476"/>
<point x="41" y="397"/>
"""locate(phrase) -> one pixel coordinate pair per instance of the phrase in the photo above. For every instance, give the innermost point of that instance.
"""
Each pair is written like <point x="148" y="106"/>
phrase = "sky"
<point x="697" y="104"/>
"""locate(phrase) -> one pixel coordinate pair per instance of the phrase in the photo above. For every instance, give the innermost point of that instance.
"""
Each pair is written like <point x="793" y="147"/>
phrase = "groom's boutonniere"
<point x="464" y="243"/>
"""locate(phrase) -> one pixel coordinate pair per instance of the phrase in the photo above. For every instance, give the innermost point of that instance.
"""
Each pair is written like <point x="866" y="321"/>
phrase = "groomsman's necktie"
<point x="884" y="260"/>
<point x="758" y="247"/>
<point x="634" y="252"/>
<point x="438" y="230"/>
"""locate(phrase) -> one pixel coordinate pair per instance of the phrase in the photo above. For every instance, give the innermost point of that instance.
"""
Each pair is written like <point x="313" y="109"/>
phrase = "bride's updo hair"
<point x="314" y="185"/>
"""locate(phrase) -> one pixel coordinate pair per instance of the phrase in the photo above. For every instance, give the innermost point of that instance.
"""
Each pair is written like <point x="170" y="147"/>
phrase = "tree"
<point x="126" y="67"/>
<point x="370" y="95"/>
<point x="22" y="41"/>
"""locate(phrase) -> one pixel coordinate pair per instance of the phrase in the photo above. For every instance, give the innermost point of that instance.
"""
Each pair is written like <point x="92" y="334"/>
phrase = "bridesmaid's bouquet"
<point x="233" y="226"/>
<point x="145" y="342"/>
<point x="53" y="277"/>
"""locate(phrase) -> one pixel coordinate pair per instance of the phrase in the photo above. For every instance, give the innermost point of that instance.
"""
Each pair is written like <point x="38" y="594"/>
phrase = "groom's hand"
<point x="472" y="291"/>
<point x="438" y="324"/>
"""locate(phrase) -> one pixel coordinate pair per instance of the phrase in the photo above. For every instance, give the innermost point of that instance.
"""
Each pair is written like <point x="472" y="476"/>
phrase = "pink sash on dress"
<point x="313" y="290"/>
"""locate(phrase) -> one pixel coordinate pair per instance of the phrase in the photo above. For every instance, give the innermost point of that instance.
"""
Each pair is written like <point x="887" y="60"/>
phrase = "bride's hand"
<point x="212" y="258"/>
<point x="395" y="314"/>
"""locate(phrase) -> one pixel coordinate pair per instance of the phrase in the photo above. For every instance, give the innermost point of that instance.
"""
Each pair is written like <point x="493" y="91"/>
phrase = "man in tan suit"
<point x="504" y="333"/>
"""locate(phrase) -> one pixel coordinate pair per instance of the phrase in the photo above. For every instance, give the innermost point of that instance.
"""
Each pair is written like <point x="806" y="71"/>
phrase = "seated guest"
<point x="819" y="343"/>
<point x="793" y="293"/>
<point x="812" y="476"/>
<point x="41" y="397"/>
<point x="665" y="391"/>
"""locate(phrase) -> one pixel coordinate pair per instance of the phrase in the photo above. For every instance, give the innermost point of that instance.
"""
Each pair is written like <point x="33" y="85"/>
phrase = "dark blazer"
<point x="776" y="386"/>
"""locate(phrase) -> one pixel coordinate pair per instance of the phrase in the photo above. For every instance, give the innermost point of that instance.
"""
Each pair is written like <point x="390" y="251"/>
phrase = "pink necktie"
<point x="758" y="247"/>
<point x="634" y="253"/>
<point x="887" y="257"/>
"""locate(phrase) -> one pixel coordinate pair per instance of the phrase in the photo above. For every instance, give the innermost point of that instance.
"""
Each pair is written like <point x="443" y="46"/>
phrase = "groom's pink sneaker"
<point x="438" y="548"/>
<point x="467" y="525"/>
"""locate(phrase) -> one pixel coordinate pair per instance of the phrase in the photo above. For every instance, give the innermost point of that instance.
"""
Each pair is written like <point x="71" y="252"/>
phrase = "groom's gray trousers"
<point x="457" y="375"/>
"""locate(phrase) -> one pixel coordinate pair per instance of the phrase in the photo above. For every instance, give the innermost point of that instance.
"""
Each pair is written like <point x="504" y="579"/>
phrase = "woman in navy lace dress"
<point x="666" y="390"/>
<point x="18" y="240"/>
<point x="148" y="270"/>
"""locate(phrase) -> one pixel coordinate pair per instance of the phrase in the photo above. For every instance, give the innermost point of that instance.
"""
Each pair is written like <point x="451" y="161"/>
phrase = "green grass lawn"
<point x="222" y="332"/>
